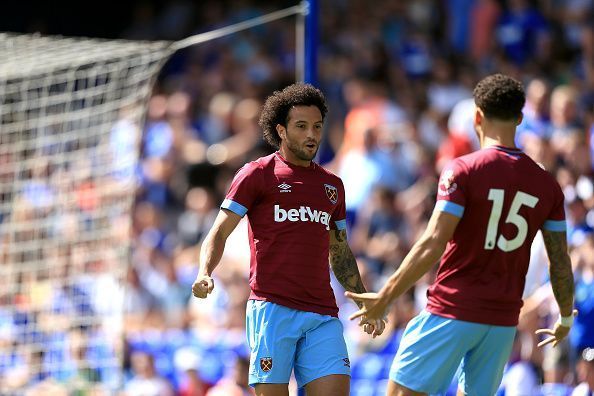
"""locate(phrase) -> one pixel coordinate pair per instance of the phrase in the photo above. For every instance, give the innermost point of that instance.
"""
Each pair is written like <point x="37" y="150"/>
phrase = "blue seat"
<point x="368" y="366"/>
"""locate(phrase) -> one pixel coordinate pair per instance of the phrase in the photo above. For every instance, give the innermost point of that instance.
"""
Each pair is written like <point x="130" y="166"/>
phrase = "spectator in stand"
<point x="145" y="380"/>
<point x="582" y="335"/>
<point x="536" y="112"/>
<point x="235" y="383"/>
<point x="565" y="117"/>
<point x="585" y="374"/>
<point x="523" y="33"/>
<point x="370" y="108"/>
<point x="483" y="22"/>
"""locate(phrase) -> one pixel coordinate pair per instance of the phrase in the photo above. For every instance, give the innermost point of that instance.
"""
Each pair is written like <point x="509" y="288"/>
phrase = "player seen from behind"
<point x="490" y="205"/>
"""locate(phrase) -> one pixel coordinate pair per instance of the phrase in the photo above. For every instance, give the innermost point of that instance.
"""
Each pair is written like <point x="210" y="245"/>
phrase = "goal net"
<point x="71" y="119"/>
<point x="71" y="112"/>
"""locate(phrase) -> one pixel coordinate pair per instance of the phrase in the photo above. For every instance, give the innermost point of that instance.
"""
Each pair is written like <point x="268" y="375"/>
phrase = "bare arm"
<point x="212" y="249"/>
<point x="423" y="255"/>
<point x="344" y="266"/>
<point x="560" y="270"/>
<point x="562" y="283"/>
<point x="343" y="262"/>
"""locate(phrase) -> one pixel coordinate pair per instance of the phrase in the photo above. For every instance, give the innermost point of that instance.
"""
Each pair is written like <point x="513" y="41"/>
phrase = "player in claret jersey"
<point x="296" y="216"/>
<point x="490" y="204"/>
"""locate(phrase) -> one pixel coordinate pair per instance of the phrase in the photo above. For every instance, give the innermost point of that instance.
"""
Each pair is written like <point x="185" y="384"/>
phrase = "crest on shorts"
<point x="266" y="364"/>
<point x="331" y="193"/>
<point x="347" y="362"/>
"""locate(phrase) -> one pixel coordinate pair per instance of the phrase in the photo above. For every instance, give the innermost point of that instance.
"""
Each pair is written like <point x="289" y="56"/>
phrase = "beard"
<point x="302" y="152"/>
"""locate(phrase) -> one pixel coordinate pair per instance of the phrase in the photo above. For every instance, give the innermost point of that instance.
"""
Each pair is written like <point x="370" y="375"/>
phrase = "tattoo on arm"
<point x="343" y="262"/>
<point x="560" y="268"/>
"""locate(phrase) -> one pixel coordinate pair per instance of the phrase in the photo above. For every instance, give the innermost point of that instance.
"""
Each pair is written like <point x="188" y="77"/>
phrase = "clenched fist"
<point x="202" y="286"/>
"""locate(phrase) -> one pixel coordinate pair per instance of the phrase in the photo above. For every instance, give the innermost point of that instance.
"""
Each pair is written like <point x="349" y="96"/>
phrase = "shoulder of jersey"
<point x="476" y="156"/>
<point x="540" y="166"/>
<point x="261" y="162"/>
<point x="543" y="171"/>
<point x="324" y="170"/>
<point x="463" y="161"/>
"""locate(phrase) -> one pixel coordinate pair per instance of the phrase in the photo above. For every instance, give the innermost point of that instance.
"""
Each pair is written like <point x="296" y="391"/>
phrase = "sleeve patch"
<point x="555" y="225"/>
<point x="341" y="224"/>
<point x="234" y="207"/>
<point x="450" y="207"/>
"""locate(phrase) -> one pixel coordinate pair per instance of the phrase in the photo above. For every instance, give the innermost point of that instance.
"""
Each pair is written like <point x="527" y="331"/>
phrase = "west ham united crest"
<point x="331" y="193"/>
<point x="266" y="364"/>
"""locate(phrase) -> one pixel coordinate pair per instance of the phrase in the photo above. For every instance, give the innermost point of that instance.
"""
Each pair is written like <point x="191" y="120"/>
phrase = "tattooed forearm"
<point x="560" y="270"/>
<point x="343" y="262"/>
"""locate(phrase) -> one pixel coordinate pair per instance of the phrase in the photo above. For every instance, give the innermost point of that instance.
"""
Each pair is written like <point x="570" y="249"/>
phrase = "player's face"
<point x="301" y="137"/>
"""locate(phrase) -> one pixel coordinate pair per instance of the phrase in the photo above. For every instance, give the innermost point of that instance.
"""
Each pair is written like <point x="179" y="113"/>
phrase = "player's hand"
<point x="373" y="327"/>
<point x="202" y="286"/>
<point x="557" y="333"/>
<point x="373" y="306"/>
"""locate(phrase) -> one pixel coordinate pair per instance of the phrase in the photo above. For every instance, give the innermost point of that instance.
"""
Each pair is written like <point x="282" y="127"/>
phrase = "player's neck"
<point x="292" y="159"/>
<point x="497" y="140"/>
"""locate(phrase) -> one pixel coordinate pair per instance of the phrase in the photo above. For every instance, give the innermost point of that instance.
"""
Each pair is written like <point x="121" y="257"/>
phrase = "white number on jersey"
<point x="496" y="195"/>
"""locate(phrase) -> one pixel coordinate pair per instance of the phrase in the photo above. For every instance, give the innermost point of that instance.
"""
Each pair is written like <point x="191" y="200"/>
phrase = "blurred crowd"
<point x="398" y="76"/>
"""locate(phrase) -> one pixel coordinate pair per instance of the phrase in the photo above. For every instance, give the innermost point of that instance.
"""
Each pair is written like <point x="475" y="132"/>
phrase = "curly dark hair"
<point x="500" y="97"/>
<point x="277" y="106"/>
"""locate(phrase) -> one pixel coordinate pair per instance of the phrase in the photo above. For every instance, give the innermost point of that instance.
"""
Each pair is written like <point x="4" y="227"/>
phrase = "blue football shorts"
<point x="434" y="349"/>
<point x="282" y="339"/>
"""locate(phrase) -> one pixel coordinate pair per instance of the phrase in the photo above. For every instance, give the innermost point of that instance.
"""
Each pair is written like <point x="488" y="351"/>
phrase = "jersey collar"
<point x="312" y="164"/>
<point x="508" y="150"/>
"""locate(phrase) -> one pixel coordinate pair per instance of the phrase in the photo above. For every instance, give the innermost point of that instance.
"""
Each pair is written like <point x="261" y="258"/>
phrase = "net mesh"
<point x="71" y="112"/>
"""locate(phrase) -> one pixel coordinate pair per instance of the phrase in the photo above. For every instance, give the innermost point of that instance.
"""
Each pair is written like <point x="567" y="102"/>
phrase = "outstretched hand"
<point x="373" y="327"/>
<point x="372" y="307"/>
<point x="557" y="333"/>
<point x="202" y="286"/>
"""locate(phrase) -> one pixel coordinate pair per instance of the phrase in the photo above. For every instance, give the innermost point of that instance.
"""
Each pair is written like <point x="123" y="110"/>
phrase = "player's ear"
<point x="520" y="118"/>
<point x="478" y="116"/>
<point x="282" y="131"/>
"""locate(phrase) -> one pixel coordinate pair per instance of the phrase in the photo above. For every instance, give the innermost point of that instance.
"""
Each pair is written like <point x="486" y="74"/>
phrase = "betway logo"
<point x="304" y="213"/>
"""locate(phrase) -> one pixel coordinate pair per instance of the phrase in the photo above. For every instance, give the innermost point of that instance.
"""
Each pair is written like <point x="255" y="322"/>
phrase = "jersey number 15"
<point x="496" y="195"/>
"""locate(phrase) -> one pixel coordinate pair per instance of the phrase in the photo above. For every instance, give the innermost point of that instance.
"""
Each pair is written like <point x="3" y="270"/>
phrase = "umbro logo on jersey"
<point x="284" y="187"/>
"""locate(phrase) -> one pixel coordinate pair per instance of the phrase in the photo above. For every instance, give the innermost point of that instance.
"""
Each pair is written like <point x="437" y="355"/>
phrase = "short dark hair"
<point x="277" y="106"/>
<point x="500" y="97"/>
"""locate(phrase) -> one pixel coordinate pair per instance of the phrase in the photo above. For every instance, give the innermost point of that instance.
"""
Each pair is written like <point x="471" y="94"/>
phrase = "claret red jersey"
<point x="290" y="211"/>
<point x="502" y="198"/>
